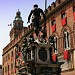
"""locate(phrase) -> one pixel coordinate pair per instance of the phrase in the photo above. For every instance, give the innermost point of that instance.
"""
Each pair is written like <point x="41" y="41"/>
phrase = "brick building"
<point x="60" y="23"/>
<point x="16" y="33"/>
<point x="0" y="69"/>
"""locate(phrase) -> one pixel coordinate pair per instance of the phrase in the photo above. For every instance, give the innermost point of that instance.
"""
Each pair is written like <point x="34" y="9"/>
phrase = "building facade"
<point x="9" y="52"/>
<point x="60" y="23"/>
<point x="0" y="69"/>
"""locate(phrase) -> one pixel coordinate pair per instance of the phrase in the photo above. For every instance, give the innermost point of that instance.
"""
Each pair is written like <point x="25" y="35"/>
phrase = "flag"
<point x="9" y="24"/>
<point x="66" y="54"/>
<point x="74" y="15"/>
<point x="64" y="21"/>
<point x="54" y="57"/>
<point x="15" y="70"/>
<point x="19" y="53"/>
<point x="19" y="56"/>
<point x="53" y="27"/>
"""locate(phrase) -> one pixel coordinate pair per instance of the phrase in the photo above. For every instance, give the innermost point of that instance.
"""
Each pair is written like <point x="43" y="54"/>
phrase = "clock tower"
<point x="17" y="26"/>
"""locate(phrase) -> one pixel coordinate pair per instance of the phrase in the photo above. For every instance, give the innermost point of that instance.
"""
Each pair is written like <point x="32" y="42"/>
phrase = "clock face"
<point x="42" y="54"/>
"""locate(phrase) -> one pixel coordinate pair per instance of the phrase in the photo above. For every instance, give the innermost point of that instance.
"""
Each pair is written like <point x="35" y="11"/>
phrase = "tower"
<point x="17" y="26"/>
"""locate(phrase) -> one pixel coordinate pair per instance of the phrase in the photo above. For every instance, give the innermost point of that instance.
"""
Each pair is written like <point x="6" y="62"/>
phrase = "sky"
<point x="8" y="9"/>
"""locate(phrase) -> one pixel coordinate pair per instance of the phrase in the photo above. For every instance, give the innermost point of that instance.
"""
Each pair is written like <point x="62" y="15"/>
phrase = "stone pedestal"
<point x="41" y="65"/>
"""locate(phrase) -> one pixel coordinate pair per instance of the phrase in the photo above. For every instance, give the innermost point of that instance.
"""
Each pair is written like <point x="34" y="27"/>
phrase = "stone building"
<point x="60" y="23"/>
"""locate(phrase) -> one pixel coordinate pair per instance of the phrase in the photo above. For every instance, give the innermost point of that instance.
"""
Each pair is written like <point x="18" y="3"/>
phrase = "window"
<point x="19" y="49"/>
<point x="19" y="62"/>
<point x="5" y="69"/>
<point x="66" y="39"/>
<point x="19" y="24"/>
<point x="53" y="23"/>
<point x="30" y="55"/>
<point x="8" y="56"/>
<point x="63" y="17"/>
<point x="3" y="60"/>
<point x="8" y="70"/>
<point x="53" y="50"/>
<point x="12" y="54"/>
<point x="11" y="68"/>
<point x="8" y="67"/>
<point x="66" y="45"/>
<point x="55" y="44"/>
<point x="74" y="12"/>
<point x="16" y="25"/>
<point x="53" y="41"/>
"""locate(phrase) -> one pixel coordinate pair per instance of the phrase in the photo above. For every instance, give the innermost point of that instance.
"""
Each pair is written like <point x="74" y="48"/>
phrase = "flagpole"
<point x="45" y="5"/>
<point x="10" y="25"/>
<point x="45" y="14"/>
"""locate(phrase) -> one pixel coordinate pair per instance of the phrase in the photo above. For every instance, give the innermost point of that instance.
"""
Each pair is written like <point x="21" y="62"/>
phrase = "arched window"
<point x="55" y="44"/>
<point x="8" y="70"/>
<point x="66" y="39"/>
<point x="11" y="68"/>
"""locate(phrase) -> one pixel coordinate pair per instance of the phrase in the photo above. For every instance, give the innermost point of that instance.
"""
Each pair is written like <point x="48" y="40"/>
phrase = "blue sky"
<point x="8" y="9"/>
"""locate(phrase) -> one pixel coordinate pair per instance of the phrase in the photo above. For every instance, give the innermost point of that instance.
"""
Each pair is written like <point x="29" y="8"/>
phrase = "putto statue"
<point x="36" y="17"/>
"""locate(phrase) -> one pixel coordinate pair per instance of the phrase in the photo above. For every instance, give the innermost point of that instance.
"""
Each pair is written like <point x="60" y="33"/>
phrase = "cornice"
<point x="59" y="7"/>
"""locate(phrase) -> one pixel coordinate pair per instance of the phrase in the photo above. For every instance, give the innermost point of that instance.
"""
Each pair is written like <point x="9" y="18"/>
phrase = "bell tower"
<point x="17" y="26"/>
